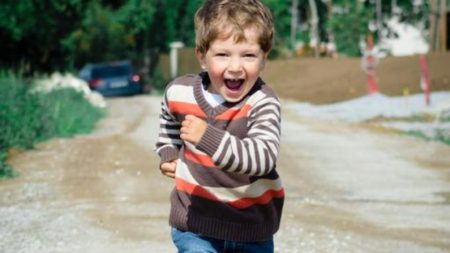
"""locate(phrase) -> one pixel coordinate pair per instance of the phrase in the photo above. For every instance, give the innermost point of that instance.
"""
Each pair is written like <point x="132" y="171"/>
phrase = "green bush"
<point x="68" y="113"/>
<point x="5" y="170"/>
<point x="28" y="117"/>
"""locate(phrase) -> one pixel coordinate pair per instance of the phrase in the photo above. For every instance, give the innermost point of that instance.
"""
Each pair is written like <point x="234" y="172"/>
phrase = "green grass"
<point x="442" y="137"/>
<point x="417" y="134"/>
<point x="439" y="136"/>
<point x="27" y="118"/>
<point x="422" y="117"/>
<point x="445" y="119"/>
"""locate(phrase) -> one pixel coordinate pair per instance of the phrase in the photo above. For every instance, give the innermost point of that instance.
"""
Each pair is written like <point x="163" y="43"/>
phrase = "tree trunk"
<point x="294" y="22"/>
<point x="314" y="26"/>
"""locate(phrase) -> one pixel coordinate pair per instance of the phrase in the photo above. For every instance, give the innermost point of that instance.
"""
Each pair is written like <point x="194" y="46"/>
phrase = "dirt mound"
<point x="325" y="80"/>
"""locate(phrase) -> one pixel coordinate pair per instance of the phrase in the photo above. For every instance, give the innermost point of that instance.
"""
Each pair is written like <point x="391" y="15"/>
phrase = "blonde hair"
<point x="232" y="17"/>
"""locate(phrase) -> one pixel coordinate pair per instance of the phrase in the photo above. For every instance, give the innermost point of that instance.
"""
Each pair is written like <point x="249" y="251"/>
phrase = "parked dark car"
<point x="113" y="78"/>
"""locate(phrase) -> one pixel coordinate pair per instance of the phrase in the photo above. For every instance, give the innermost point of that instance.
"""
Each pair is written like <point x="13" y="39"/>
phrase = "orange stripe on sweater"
<point x="234" y="114"/>
<point x="198" y="190"/>
<point x="186" y="108"/>
<point x="204" y="160"/>
<point x="193" y="189"/>
<point x="263" y="199"/>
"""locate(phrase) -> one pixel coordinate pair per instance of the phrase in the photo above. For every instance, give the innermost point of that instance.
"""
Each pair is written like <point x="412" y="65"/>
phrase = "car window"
<point x="111" y="71"/>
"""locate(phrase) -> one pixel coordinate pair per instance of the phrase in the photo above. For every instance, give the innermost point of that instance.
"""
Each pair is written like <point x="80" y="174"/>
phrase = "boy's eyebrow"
<point x="224" y="48"/>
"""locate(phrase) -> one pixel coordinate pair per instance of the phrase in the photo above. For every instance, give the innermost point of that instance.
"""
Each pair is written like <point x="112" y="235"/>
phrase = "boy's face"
<point x="233" y="67"/>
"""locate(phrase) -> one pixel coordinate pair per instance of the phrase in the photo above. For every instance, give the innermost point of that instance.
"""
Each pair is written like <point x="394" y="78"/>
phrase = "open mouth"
<point x="234" y="84"/>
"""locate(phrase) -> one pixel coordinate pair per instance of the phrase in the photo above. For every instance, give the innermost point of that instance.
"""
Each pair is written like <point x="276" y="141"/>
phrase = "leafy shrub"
<point x="68" y="113"/>
<point x="5" y="170"/>
<point x="29" y="117"/>
<point x="17" y="114"/>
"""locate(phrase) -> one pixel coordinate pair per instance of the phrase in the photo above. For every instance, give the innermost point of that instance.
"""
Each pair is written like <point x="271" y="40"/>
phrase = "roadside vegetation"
<point x="28" y="117"/>
<point x="439" y="135"/>
<point x="432" y="131"/>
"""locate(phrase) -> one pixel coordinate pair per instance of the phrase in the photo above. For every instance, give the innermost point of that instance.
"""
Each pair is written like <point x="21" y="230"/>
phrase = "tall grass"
<point x="28" y="117"/>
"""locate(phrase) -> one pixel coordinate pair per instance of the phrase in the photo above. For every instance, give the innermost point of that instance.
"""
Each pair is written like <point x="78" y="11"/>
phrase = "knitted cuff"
<point x="168" y="154"/>
<point x="210" y="141"/>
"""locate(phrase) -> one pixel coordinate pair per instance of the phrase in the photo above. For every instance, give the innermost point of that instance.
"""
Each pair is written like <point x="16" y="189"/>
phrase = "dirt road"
<point x="349" y="189"/>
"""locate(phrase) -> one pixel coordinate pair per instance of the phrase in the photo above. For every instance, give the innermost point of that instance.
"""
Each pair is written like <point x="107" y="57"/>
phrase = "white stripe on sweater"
<point x="181" y="93"/>
<point x="253" y="190"/>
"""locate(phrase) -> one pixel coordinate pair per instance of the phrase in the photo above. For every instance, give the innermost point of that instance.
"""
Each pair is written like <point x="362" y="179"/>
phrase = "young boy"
<point x="220" y="134"/>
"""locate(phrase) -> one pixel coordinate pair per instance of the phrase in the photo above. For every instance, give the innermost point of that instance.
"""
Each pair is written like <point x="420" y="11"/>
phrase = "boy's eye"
<point x="250" y="57"/>
<point x="221" y="54"/>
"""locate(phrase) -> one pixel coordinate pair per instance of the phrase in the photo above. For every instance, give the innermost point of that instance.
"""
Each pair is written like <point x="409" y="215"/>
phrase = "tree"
<point x="351" y="20"/>
<point x="281" y="11"/>
<point x="107" y="34"/>
<point x="49" y="35"/>
<point x="309" y="19"/>
<point x="349" y="24"/>
<point x="30" y="32"/>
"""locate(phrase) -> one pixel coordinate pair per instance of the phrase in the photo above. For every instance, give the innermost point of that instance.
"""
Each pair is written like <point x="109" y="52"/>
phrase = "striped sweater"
<point x="226" y="187"/>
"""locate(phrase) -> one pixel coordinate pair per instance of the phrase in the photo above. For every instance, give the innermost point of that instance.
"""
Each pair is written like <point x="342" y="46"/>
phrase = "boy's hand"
<point x="192" y="129"/>
<point x="168" y="168"/>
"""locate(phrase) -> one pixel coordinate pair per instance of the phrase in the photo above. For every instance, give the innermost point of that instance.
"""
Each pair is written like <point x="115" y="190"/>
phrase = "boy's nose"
<point x="235" y="64"/>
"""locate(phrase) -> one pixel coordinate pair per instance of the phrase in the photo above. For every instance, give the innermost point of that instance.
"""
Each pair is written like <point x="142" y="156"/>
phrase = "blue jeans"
<point x="187" y="242"/>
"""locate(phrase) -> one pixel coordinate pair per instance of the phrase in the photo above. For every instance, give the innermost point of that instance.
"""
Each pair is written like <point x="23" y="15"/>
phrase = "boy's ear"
<point x="200" y="58"/>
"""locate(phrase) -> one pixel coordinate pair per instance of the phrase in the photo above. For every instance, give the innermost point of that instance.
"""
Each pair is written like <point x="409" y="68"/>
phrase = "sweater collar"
<point x="203" y="81"/>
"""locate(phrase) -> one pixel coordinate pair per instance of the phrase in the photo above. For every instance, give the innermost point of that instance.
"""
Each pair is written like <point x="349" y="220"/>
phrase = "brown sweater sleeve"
<point x="254" y="155"/>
